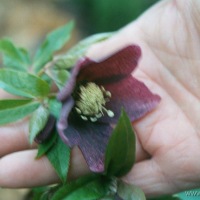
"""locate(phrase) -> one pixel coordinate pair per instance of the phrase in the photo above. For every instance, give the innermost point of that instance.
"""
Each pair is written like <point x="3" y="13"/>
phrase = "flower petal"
<point x="62" y="124"/>
<point x="119" y="64"/>
<point x="92" y="139"/>
<point x="133" y="96"/>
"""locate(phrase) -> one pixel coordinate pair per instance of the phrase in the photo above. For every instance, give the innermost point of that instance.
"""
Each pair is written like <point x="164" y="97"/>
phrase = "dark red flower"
<point x="93" y="98"/>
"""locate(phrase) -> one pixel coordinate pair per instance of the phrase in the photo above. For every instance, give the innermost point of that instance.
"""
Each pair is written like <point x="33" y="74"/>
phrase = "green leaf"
<point x="13" y="110"/>
<point x="23" y="84"/>
<point x="55" y="107"/>
<point x="59" y="76"/>
<point x="130" y="192"/>
<point x="70" y="58"/>
<point x="46" y="145"/>
<point x="37" y="122"/>
<point x="120" y="152"/>
<point x="85" y="188"/>
<point x="53" y="42"/>
<point x="13" y="57"/>
<point x="59" y="156"/>
<point x="40" y="193"/>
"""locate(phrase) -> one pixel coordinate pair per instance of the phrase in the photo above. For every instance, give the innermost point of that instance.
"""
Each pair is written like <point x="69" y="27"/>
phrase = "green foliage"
<point x="70" y="58"/>
<point x="54" y="107"/>
<point x="85" y="188"/>
<point x="13" y="57"/>
<point x="46" y="145"/>
<point x="39" y="193"/>
<point x="13" y="110"/>
<point x="23" y="84"/>
<point x="109" y="15"/>
<point x="37" y="122"/>
<point x="130" y="192"/>
<point x="120" y="153"/>
<point x="59" y="76"/>
<point x="53" y="42"/>
<point x="59" y="156"/>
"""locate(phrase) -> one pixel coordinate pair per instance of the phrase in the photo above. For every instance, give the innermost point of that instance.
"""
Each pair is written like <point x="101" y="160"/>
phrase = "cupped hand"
<point x="168" y="140"/>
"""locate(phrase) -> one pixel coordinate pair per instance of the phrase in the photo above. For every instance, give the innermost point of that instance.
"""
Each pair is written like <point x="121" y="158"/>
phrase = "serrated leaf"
<point x="37" y="122"/>
<point x="12" y="64"/>
<point x="13" y="57"/>
<point x="120" y="152"/>
<point x="85" y="188"/>
<point x="53" y="42"/>
<point x="55" y="107"/>
<point x="70" y="58"/>
<point x="45" y="146"/>
<point x="59" y="76"/>
<point x="23" y="84"/>
<point x="130" y="192"/>
<point x="13" y="110"/>
<point x="59" y="156"/>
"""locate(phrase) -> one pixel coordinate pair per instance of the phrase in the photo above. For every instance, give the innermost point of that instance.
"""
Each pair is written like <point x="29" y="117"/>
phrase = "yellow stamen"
<point x="91" y="102"/>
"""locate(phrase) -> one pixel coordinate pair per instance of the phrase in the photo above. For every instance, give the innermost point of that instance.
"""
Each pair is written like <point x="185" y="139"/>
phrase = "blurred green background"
<point x="106" y="15"/>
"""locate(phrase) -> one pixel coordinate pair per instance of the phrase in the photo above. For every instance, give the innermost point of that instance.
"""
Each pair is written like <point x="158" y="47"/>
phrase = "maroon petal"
<point x="62" y="124"/>
<point x="119" y="64"/>
<point x="133" y="96"/>
<point x="92" y="139"/>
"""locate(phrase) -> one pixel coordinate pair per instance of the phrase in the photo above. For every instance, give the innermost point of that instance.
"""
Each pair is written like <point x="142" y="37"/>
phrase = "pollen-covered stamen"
<point x="91" y="102"/>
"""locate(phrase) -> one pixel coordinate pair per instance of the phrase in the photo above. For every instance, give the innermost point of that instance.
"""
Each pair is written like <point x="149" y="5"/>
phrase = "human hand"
<point x="167" y="139"/>
<point x="18" y="166"/>
<point x="168" y="143"/>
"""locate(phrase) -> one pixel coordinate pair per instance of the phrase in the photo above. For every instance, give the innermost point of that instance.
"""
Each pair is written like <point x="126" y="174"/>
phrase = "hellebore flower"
<point x="92" y="101"/>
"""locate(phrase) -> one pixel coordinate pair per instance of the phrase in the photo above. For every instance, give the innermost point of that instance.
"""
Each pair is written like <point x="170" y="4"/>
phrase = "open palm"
<point x="168" y="140"/>
<point x="169" y="137"/>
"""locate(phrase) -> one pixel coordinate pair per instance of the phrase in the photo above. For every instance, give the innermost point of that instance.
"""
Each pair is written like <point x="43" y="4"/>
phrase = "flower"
<point x="92" y="101"/>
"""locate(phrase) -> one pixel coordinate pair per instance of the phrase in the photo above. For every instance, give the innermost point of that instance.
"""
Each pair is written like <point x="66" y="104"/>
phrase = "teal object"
<point x="189" y="195"/>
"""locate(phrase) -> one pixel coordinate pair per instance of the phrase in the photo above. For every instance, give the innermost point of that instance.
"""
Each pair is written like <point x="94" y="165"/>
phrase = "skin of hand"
<point x="168" y="139"/>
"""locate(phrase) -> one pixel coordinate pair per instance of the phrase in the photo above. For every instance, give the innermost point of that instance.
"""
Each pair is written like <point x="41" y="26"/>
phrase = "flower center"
<point x="91" y="102"/>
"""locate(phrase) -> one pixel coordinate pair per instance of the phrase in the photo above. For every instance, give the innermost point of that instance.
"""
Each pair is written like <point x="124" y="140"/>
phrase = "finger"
<point x="21" y="169"/>
<point x="14" y="137"/>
